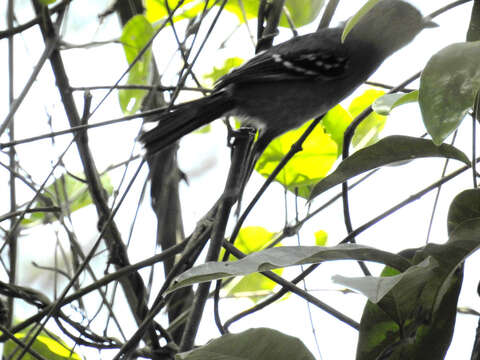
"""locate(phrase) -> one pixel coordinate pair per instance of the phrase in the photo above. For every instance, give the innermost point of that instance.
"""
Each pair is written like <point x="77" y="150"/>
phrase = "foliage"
<point x="273" y="346"/>
<point x="411" y="306"/>
<point x="45" y="345"/>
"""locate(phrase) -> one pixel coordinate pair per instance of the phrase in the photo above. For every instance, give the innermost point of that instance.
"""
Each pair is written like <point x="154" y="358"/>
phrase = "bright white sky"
<point x="204" y="158"/>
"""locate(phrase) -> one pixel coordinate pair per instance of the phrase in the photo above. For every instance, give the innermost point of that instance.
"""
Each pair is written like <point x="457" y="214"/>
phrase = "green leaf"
<point x="302" y="12"/>
<point x="369" y="129"/>
<point x="387" y="151"/>
<point x="448" y="86"/>
<point x="156" y="10"/>
<point x="385" y="104"/>
<point x="255" y="286"/>
<point x="321" y="238"/>
<point x="378" y="333"/>
<point x="355" y="18"/>
<point x="136" y="33"/>
<point x="253" y="344"/>
<point x="213" y="77"/>
<point x="376" y="288"/>
<point x="306" y="167"/>
<point x="465" y="206"/>
<point x="247" y="8"/>
<point x="46" y="346"/>
<point x="423" y="307"/>
<point x="228" y="65"/>
<point x="415" y="318"/>
<point x="282" y="257"/>
<point x="65" y="191"/>
<point x="251" y="239"/>
<point x="46" y="2"/>
<point x="335" y="122"/>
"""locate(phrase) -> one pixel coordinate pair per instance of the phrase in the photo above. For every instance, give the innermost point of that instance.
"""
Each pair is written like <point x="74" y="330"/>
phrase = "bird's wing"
<point x="312" y="55"/>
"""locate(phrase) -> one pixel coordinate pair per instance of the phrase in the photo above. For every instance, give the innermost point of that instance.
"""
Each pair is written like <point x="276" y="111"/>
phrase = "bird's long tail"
<point x="185" y="118"/>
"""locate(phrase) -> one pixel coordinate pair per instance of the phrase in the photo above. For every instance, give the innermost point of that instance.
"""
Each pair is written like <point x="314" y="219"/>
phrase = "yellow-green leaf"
<point x="66" y="191"/>
<point x="218" y="72"/>
<point x="367" y="132"/>
<point x="156" y="10"/>
<point x="136" y="33"/>
<point x="46" y="346"/>
<point x="335" y="122"/>
<point x="255" y="286"/>
<point x="301" y="12"/>
<point x="306" y="167"/>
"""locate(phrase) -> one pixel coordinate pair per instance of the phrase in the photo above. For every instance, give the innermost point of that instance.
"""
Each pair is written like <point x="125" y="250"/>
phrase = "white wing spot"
<point x="299" y="69"/>
<point x="311" y="57"/>
<point x="277" y="58"/>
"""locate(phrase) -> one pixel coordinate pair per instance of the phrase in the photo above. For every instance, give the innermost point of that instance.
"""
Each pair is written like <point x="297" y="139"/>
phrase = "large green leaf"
<point x="285" y="256"/>
<point x="389" y="292"/>
<point x="253" y="344"/>
<point x="335" y="122"/>
<point x="136" y="33"/>
<point x="424" y="339"/>
<point x="414" y="314"/>
<point x="448" y="86"/>
<point x="307" y="167"/>
<point x="389" y="150"/>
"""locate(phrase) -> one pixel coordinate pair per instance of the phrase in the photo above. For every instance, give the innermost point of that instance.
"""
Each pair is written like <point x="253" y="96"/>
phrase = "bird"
<point x="295" y="81"/>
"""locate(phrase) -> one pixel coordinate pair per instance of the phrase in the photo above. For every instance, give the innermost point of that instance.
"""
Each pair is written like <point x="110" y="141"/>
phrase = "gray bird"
<point x="296" y="81"/>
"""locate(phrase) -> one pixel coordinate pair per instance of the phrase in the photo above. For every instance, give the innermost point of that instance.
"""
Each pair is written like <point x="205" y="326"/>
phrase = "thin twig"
<point x="328" y="14"/>
<point x="405" y="202"/>
<point x="439" y="189"/>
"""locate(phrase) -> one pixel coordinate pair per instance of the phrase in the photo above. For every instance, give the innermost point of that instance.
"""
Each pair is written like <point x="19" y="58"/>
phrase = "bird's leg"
<point x="265" y="137"/>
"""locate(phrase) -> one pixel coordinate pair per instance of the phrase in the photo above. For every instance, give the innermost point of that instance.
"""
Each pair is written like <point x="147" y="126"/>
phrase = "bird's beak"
<point x="429" y="23"/>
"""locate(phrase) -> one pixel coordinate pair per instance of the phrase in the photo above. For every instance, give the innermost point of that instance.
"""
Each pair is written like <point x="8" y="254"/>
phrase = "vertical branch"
<point x="328" y="14"/>
<point x="132" y="284"/>
<point x="476" y="117"/>
<point x="229" y="197"/>
<point x="12" y="165"/>
<point x="347" y="139"/>
<point x="271" y="12"/>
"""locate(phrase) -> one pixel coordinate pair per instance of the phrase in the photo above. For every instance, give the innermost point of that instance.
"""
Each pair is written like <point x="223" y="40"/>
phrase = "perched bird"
<point x="293" y="82"/>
